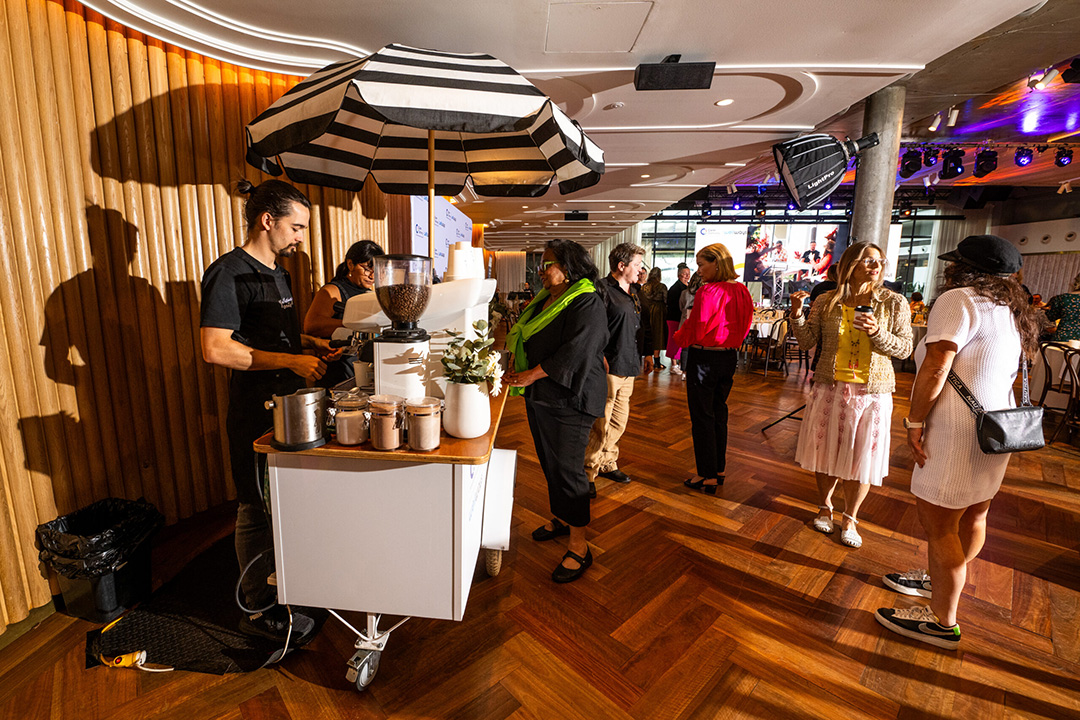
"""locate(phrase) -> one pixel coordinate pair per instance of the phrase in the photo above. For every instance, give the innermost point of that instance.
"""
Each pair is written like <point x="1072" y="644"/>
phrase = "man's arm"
<point x="219" y="348"/>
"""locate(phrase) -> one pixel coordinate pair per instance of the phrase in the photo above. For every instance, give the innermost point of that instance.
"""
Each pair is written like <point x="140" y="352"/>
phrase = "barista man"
<point x="622" y="359"/>
<point x="249" y="325"/>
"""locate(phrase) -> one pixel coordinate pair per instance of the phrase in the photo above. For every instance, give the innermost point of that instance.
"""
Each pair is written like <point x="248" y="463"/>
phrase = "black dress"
<point x="341" y="369"/>
<point x="561" y="408"/>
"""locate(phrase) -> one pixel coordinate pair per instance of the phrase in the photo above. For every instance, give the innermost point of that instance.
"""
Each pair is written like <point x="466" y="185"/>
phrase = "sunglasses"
<point x="546" y="264"/>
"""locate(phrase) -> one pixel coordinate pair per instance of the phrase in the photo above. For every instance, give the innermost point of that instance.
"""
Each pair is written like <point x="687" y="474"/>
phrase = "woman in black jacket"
<point x="558" y="364"/>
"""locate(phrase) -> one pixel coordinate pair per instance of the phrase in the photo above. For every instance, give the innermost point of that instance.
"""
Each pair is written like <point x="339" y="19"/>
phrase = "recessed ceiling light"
<point x="724" y="102"/>
<point x="733" y="164"/>
<point x="524" y="207"/>
<point x="611" y="206"/>
<point x="646" y="176"/>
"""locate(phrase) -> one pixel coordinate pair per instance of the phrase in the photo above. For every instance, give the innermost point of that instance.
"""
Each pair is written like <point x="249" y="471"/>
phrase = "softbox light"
<point x="812" y="166"/>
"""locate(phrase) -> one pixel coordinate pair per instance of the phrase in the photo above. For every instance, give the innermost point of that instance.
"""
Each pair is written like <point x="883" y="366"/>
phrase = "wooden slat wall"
<point x="117" y="157"/>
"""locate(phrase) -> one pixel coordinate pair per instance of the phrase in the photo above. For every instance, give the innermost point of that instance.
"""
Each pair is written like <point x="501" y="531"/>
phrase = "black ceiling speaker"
<point x="812" y="166"/>
<point x="673" y="75"/>
<point x="576" y="215"/>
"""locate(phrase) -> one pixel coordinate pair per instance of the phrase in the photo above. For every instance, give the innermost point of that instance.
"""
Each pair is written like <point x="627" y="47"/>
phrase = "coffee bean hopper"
<point x="403" y="289"/>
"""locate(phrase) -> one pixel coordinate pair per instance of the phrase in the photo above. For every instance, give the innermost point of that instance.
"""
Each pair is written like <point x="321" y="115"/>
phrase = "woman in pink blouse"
<point x="717" y="326"/>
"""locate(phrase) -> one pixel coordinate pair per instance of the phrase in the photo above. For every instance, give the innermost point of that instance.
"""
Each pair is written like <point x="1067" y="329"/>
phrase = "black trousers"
<point x="709" y="377"/>
<point x="560" y="436"/>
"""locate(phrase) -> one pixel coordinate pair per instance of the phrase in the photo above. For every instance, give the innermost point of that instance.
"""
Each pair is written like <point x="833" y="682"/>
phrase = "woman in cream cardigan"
<point x="845" y="434"/>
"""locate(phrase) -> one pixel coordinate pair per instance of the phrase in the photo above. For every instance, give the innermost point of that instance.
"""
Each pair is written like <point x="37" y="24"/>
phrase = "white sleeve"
<point x="954" y="318"/>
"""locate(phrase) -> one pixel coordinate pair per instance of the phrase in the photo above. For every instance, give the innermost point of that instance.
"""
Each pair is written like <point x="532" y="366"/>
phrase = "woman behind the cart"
<point x="558" y="364"/>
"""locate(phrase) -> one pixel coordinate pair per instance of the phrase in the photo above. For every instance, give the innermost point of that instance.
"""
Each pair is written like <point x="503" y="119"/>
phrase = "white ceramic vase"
<point x="467" y="410"/>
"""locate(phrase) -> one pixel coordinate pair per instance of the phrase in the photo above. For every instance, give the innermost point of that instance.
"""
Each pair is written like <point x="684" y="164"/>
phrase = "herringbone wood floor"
<point x="697" y="607"/>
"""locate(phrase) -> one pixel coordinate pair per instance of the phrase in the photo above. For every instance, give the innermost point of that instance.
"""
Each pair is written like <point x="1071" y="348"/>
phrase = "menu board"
<point x="451" y="226"/>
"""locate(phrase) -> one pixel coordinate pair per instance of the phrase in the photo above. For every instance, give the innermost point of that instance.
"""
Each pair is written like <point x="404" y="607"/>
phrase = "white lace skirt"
<point x="845" y="433"/>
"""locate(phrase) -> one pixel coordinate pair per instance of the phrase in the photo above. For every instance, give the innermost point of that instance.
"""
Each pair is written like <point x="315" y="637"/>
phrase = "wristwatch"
<point x="909" y="425"/>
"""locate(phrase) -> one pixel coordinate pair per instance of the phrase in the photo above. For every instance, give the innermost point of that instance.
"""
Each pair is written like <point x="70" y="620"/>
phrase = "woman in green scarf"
<point x="557" y="349"/>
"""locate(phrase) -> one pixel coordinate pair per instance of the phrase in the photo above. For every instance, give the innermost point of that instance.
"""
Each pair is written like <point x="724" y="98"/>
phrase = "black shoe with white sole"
<point x="274" y="625"/>
<point x="914" y="582"/>
<point x="919" y="623"/>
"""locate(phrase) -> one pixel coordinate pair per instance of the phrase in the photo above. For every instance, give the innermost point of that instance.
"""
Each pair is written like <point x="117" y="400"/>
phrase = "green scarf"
<point x="533" y="320"/>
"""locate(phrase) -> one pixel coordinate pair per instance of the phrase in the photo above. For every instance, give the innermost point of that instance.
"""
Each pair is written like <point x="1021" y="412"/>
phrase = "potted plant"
<point x="472" y="370"/>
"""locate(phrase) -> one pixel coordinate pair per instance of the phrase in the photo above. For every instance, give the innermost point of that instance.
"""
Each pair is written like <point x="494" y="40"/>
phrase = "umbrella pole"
<point x="431" y="194"/>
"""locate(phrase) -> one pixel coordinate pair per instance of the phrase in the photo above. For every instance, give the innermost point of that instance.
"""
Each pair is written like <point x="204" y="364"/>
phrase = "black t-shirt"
<point x="674" y="312"/>
<point x="241" y="294"/>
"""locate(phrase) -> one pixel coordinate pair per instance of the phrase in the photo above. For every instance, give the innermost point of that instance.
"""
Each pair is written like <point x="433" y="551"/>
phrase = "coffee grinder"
<point x="403" y="289"/>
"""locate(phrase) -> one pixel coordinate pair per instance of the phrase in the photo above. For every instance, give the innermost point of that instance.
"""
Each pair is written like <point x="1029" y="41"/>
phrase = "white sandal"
<point x="851" y="537"/>
<point x="824" y="524"/>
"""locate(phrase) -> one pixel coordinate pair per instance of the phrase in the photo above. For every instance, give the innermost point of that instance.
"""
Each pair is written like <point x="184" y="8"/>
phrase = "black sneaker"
<point x="592" y="490"/>
<point x="274" y="625"/>
<point x="913" y="582"/>
<point x="617" y="475"/>
<point x="919" y="623"/>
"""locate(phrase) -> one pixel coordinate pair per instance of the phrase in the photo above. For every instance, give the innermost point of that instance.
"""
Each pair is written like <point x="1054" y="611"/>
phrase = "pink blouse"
<point x="720" y="318"/>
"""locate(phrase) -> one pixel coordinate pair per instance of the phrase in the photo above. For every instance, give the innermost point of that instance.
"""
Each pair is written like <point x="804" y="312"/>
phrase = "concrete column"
<point x="876" y="177"/>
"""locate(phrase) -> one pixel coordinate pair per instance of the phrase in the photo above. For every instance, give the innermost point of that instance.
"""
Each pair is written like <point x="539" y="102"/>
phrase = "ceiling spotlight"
<point x="954" y="113"/>
<point x="1063" y="156"/>
<point x="1066" y="187"/>
<point x="791" y="206"/>
<point x="985" y="163"/>
<point x="906" y="210"/>
<point x="929" y="157"/>
<point x="1046" y="79"/>
<point x="732" y="190"/>
<point x="706" y="209"/>
<point x="724" y="102"/>
<point x="952" y="163"/>
<point x="849" y="207"/>
<point x="936" y="123"/>
<point x="910" y="163"/>
<point x="646" y="176"/>
<point x="828" y="204"/>
<point x="737" y="204"/>
<point x="760" y="208"/>
<point x="931" y="196"/>
<point x="762" y="189"/>
<point x="1023" y="156"/>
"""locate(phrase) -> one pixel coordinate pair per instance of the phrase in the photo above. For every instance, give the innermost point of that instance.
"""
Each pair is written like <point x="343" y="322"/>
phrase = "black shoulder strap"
<point x="974" y="404"/>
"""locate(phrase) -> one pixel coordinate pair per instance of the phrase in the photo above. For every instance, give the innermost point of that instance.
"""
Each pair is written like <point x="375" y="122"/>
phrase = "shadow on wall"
<point x="128" y="360"/>
<point x="194" y="137"/>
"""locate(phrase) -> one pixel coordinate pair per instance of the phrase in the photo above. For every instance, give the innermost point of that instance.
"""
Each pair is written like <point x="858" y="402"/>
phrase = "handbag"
<point x="1004" y="431"/>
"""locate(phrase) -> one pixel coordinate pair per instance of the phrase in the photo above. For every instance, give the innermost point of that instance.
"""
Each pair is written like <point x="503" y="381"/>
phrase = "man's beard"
<point x="288" y="251"/>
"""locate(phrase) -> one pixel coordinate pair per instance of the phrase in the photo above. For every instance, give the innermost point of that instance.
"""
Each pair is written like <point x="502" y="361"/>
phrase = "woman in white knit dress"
<point x="978" y="328"/>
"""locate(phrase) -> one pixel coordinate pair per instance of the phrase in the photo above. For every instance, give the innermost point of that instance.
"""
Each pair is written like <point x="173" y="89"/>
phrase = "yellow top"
<point x="852" y="351"/>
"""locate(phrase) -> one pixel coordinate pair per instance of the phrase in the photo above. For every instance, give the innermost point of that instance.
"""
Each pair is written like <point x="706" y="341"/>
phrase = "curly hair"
<point x="1001" y="291"/>
<point x="575" y="261"/>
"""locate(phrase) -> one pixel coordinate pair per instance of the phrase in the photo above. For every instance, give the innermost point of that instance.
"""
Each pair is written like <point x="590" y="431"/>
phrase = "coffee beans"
<point x="403" y="303"/>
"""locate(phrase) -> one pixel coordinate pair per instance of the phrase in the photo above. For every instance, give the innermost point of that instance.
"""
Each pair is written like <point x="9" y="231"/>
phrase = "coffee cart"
<point x="395" y="532"/>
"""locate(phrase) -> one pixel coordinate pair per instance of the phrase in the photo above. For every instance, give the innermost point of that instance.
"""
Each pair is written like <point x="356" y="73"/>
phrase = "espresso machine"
<point x="403" y="290"/>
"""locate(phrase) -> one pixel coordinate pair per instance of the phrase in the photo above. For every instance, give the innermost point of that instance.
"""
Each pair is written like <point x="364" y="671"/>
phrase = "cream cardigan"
<point x="893" y="338"/>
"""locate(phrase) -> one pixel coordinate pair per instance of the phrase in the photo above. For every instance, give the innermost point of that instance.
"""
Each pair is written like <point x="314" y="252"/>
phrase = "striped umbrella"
<point x="423" y="121"/>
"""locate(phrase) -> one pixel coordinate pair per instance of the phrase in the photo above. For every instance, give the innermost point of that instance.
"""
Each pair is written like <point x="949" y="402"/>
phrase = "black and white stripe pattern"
<point x="367" y="117"/>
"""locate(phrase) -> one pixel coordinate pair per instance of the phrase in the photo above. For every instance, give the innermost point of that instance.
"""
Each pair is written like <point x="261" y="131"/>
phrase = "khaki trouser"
<point x="602" y="454"/>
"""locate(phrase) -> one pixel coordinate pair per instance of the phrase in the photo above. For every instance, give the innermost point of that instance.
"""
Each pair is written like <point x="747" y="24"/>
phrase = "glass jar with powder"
<point x="351" y="419"/>
<point x="387" y="421"/>
<point x="423" y="421"/>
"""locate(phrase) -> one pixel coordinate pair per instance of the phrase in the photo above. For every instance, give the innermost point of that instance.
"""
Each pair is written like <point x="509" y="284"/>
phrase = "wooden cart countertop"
<point x="451" y="450"/>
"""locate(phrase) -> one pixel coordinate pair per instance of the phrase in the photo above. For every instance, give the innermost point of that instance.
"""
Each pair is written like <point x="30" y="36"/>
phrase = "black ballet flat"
<point x="563" y="574"/>
<point x="541" y="533"/>
<point x="700" y="485"/>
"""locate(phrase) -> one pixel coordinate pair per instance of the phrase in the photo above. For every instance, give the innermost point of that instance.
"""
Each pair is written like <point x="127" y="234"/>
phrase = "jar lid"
<point x="352" y="402"/>
<point x="386" y="403"/>
<point x="423" y="406"/>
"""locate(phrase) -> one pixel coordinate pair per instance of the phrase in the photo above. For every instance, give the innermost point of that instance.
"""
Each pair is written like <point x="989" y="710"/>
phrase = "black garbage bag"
<point x="98" y="539"/>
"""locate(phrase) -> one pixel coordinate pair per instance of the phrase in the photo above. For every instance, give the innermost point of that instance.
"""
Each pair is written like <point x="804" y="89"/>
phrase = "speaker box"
<point x="576" y="215"/>
<point x="674" y="76"/>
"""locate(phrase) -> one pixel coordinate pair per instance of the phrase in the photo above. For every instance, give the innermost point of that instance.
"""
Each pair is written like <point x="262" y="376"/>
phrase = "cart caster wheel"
<point x="493" y="562"/>
<point x="362" y="668"/>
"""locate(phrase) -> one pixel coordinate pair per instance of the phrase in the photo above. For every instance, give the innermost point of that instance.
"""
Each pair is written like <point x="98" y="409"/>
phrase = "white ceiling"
<point x="788" y="65"/>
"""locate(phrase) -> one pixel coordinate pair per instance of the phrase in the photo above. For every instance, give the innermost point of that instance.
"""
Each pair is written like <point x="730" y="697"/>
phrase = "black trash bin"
<point x="102" y="556"/>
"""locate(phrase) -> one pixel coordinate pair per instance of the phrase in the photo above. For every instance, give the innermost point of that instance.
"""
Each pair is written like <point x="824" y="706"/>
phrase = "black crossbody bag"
<point x="1004" y="431"/>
